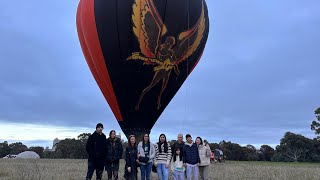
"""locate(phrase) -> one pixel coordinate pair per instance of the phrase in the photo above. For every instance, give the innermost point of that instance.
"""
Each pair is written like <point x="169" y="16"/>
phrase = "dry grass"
<point x="65" y="169"/>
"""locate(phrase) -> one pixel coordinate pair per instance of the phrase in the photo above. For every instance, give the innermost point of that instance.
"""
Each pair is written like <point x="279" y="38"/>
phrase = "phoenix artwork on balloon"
<point x="140" y="52"/>
<point x="167" y="55"/>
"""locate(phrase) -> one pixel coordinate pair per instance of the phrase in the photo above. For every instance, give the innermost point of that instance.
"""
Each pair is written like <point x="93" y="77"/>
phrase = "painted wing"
<point x="148" y="26"/>
<point x="189" y="41"/>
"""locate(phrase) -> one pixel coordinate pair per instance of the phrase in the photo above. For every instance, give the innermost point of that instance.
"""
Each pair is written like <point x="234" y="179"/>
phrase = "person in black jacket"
<point x="191" y="158"/>
<point x="178" y="144"/>
<point x="131" y="169"/>
<point x="96" y="149"/>
<point x="114" y="154"/>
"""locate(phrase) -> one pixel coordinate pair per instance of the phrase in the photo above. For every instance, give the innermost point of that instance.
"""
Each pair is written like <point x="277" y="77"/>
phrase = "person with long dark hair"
<point x="204" y="154"/>
<point x="131" y="159"/>
<point x="114" y="154"/>
<point x="163" y="157"/>
<point x="177" y="167"/>
<point x="146" y="154"/>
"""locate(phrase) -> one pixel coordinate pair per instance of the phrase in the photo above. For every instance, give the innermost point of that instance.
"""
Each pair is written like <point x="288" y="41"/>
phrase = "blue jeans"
<point x="162" y="172"/>
<point x="192" y="171"/>
<point x="145" y="171"/>
<point x="178" y="175"/>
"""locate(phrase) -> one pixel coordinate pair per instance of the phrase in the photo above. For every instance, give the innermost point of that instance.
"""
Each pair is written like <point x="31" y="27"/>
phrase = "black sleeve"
<point x="120" y="150"/>
<point x="127" y="158"/>
<point x="173" y="149"/>
<point x="89" y="147"/>
<point x="105" y="149"/>
<point x="184" y="154"/>
<point x="198" y="157"/>
<point x="108" y="157"/>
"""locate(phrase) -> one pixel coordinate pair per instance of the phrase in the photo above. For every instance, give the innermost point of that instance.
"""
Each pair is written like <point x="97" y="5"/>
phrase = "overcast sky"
<point x="258" y="77"/>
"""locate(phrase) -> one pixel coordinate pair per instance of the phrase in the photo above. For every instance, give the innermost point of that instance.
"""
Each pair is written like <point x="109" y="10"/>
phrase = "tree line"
<point x="292" y="148"/>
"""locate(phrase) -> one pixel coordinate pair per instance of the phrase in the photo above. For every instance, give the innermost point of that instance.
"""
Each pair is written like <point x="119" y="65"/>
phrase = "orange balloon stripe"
<point x="96" y="61"/>
<point x="86" y="52"/>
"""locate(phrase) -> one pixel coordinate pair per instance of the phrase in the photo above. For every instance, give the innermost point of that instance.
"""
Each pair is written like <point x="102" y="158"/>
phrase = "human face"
<point x="99" y="130"/>
<point x="178" y="151"/>
<point x="189" y="139"/>
<point x="132" y="140"/>
<point x="198" y="141"/>
<point x="162" y="138"/>
<point x="180" y="138"/>
<point x="146" y="138"/>
<point x="113" y="134"/>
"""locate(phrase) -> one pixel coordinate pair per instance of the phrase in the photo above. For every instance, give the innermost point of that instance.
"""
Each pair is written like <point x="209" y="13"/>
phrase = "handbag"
<point x="154" y="168"/>
<point x="143" y="159"/>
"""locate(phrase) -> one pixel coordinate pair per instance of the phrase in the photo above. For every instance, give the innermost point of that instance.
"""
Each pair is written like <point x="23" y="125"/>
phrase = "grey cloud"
<point x="257" y="79"/>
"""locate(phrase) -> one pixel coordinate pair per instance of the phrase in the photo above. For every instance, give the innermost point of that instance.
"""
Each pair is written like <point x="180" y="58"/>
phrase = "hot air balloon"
<point x="140" y="52"/>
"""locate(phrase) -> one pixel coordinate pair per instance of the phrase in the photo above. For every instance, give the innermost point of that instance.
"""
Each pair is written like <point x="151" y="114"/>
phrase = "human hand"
<point x="167" y="165"/>
<point x="129" y="169"/>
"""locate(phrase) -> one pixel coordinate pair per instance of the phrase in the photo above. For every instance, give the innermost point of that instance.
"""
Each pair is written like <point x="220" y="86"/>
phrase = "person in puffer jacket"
<point x="191" y="158"/>
<point x="114" y="154"/>
<point x="204" y="154"/>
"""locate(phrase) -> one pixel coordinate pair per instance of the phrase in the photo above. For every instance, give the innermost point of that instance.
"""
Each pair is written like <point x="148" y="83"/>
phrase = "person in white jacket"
<point x="204" y="153"/>
<point x="177" y="166"/>
<point x="146" y="153"/>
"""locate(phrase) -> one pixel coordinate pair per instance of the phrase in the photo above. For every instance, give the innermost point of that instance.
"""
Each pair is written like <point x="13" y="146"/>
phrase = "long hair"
<point x="144" y="143"/>
<point x="129" y="141"/>
<point x="200" y="140"/>
<point x="165" y="144"/>
<point x="111" y="133"/>
<point x="175" y="154"/>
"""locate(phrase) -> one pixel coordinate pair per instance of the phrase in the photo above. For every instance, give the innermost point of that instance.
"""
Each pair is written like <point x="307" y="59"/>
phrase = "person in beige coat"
<point x="204" y="153"/>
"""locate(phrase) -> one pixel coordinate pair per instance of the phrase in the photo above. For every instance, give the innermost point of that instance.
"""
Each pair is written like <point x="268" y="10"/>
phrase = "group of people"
<point x="186" y="160"/>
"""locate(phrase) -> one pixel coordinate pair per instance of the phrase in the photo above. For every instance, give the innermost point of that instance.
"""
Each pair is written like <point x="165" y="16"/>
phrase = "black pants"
<point x="95" y="164"/>
<point x="133" y="175"/>
<point x="112" y="168"/>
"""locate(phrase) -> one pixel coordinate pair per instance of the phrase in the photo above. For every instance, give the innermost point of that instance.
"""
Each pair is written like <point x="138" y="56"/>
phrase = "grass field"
<point x="65" y="169"/>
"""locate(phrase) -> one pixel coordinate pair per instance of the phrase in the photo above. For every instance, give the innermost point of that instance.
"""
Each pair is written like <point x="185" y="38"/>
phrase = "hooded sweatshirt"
<point x="96" y="146"/>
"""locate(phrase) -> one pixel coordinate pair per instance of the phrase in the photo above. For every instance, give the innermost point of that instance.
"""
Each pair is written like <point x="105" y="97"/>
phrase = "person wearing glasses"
<point x="146" y="154"/>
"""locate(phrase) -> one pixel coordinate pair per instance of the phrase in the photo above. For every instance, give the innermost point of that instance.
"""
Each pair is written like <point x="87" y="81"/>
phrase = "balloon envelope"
<point x="140" y="52"/>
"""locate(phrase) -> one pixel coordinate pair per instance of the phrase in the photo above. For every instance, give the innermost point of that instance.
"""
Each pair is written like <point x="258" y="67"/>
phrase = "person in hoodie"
<point x="114" y="154"/>
<point x="146" y="150"/>
<point x="96" y="149"/>
<point x="177" y="167"/>
<point x="163" y="157"/>
<point x="204" y="153"/>
<point x="191" y="158"/>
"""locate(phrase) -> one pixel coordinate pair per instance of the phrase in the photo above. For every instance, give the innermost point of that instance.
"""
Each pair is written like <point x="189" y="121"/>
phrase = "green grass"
<point x="71" y="169"/>
<point x="268" y="163"/>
